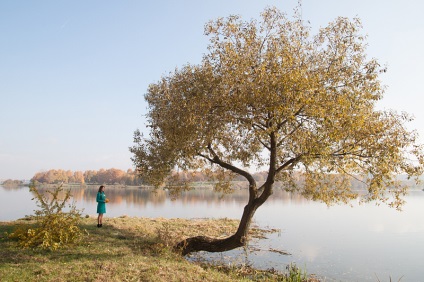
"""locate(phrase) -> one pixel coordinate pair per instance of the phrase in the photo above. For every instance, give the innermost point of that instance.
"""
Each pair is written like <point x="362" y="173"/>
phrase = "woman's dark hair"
<point x="100" y="188"/>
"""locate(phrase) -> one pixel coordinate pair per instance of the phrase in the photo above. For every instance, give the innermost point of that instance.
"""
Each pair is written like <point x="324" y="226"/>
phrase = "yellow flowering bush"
<point x="54" y="228"/>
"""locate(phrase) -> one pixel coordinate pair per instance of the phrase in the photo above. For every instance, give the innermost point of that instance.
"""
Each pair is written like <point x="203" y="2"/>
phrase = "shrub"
<point x="54" y="228"/>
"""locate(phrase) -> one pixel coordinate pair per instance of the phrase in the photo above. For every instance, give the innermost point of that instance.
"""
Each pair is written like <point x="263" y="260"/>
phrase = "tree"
<point x="270" y="94"/>
<point x="54" y="228"/>
<point x="79" y="177"/>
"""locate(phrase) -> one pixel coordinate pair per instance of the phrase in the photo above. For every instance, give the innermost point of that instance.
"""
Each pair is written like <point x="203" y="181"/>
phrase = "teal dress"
<point x="101" y="202"/>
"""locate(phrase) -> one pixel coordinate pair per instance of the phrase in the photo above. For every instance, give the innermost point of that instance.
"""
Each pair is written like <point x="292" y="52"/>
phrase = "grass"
<point x="128" y="249"/>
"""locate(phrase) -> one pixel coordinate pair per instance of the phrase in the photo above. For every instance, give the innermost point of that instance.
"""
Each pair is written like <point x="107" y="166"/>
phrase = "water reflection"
<point x="144" y="196"/>
<point x="340" y="242"/>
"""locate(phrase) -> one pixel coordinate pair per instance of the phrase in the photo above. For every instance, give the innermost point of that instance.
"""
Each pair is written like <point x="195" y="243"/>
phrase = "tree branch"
<point x="263" y="144"/>
<point x="271" y="172"/>
<point x="206" y="157"/>
<point x="293" y="131"/>
<point x="351" y="175"/>
<point x="247" y="175"/>
<point x="295" y="114"/>
<point x="290" y="163"/>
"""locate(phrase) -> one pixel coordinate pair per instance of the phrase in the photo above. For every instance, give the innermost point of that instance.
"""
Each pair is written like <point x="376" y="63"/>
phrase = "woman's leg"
<point x="99" y="219"/>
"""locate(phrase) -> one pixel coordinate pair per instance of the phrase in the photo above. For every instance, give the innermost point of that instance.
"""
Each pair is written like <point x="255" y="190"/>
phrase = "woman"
<point x="101" y="205"/>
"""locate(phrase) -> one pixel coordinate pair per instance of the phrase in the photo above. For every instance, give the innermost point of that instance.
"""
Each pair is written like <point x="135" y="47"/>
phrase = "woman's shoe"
<point x="99" y="225"/>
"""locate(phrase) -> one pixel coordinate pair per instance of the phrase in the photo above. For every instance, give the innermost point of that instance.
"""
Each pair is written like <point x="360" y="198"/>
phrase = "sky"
<point x="73" y="74"/>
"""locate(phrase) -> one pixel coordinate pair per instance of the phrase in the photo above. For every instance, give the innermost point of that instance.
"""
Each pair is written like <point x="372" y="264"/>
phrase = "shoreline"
<point x="129" y="248"/>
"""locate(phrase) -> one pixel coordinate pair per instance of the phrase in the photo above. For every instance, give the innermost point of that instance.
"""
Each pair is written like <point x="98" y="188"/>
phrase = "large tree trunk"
<point x="239" y="239"/>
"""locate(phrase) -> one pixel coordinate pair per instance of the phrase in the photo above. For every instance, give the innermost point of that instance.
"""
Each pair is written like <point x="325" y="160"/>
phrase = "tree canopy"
<point x="270" y="94"/>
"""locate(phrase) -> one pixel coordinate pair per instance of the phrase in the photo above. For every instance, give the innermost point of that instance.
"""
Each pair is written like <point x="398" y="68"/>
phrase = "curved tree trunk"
<point x="239" y="239"/>
<point x="203" y="243"/>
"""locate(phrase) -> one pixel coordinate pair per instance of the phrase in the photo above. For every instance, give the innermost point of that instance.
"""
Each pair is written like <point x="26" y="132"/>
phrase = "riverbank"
<point x="128" y="249"/>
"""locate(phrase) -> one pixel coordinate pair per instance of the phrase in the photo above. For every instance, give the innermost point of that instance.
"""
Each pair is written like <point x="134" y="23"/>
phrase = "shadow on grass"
<point x="99" y="244"/>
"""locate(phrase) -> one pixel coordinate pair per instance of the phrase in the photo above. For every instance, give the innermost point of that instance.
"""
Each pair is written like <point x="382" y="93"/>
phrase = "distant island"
<point x="13" y="183"/>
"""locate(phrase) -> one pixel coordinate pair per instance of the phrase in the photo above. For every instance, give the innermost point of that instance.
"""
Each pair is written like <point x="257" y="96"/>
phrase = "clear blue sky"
<point x="73" y="73"/>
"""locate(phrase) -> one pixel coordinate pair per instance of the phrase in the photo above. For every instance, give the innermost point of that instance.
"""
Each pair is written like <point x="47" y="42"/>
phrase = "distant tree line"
<point x="102" y="176"/>
<point x="12" y="183"/>
<point x="117" y="176"/>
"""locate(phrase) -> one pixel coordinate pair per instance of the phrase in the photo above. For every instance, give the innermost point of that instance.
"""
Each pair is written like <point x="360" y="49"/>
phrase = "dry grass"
<point x="125" y="249"/>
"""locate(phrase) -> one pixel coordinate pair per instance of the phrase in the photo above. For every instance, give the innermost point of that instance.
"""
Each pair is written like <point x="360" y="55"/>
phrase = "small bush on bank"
<point x="53" y="228"/>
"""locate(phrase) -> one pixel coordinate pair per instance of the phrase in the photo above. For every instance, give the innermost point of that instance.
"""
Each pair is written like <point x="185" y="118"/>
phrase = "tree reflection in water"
<point x="140" y="196"/>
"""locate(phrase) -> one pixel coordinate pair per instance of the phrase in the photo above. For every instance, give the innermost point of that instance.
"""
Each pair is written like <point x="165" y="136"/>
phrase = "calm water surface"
<point x="339" y="243"/>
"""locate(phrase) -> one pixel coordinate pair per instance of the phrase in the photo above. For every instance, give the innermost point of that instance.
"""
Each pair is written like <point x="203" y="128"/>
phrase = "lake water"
<point x="339" y="243"/>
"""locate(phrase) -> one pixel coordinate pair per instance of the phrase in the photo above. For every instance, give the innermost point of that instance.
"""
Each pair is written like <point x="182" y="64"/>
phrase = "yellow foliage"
<point x="270" y="94"/>
<point x="54" y="228"/>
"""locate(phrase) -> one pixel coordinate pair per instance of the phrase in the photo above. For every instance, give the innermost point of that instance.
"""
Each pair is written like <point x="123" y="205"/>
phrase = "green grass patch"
<point x="126" y="249"/>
